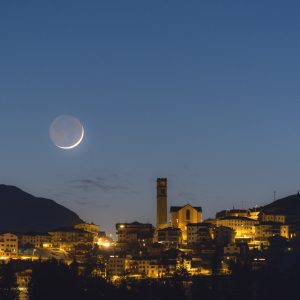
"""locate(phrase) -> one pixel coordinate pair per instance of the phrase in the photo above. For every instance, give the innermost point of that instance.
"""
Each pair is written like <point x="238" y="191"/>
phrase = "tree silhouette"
<point x="53" y="280"/>
<point x="8" y="283"/>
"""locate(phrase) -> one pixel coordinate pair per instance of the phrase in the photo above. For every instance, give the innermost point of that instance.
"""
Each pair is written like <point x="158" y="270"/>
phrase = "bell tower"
<point x="161" y="203"/>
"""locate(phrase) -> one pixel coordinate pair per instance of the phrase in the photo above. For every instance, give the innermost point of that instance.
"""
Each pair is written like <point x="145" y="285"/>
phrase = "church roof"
<point x="177" y="208"/>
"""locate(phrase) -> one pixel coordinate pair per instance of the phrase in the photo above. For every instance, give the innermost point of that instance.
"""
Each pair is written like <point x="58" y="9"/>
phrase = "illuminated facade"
<point x="244" y="213"/>
<point x="181" y="216"/>
<point x="199" y="232"/>
<point x="66" y="238"/>
<point x="151" y="267"/>
<point x="135" y="233"/>
<point x="266" y="230"/>
<point x="8" y="245"/>
<point x="285" y="231"/>
<point x="170" y="237"/>
<point x="267" y="217"/>
<point x="35" y="240"/>
<point x="161" y="203"/>
<point x="117" y="266"/>
<point x="244" y="227"/>
<point x="89" y="227"/>
<point x="224" y="235"/>
<point x="254" y="214"/>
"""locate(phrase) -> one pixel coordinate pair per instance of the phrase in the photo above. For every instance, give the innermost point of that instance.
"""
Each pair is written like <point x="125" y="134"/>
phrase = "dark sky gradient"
<point x="203" y="92"/>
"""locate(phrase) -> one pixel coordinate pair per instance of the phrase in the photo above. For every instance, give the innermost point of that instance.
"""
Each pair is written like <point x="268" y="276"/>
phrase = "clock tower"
<point x="161" y="203"/>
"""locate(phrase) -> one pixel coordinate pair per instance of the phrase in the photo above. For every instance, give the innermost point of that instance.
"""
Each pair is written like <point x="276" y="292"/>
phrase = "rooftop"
<point x="236" y="218"/>
<point x="177" y="208"/>
<point x="69" y="229"/>
<point x="202" y="224"/>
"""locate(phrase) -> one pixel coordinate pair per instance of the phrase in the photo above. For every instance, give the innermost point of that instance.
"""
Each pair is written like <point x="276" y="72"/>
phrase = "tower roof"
<point x="161" y="179"/>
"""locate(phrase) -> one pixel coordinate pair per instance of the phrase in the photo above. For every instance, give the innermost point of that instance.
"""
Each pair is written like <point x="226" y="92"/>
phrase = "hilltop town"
<point x="186" y="243"/>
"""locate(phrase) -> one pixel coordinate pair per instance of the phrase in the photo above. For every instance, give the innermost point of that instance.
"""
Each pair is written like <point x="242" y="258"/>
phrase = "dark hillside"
<point x="22" y="212"/>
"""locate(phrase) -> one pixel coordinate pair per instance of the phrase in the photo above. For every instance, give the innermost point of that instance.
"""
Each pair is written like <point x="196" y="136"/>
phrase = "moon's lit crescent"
<point x="76" y="144"/>
<point x="66" y="132"/>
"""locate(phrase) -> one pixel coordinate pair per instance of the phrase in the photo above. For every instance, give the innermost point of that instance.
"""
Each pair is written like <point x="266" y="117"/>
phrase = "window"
<point x="188" y="214"/>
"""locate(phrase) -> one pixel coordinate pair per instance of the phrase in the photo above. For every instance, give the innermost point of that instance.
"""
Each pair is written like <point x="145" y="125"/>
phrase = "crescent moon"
<point x="76" y="144"/>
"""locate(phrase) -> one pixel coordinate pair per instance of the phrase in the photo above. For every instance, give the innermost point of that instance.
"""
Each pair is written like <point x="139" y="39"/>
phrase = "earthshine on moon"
<point x="66" y="132"/>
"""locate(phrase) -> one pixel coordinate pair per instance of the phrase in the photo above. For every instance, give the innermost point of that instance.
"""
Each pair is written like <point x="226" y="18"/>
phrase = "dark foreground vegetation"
<point x="54" y="280"/>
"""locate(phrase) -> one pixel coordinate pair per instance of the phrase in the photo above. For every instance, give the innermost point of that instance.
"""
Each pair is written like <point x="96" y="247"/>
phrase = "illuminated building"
<point x="89" y="227"/>
<point x="140" y="234"/>
<point x="8" y="245"/>
<point x="266" y="230"/>
<point x="194" y="266"/>
<point x="181" y="216"/>
<point x="158" y="269"/>
<point x="66" y="238"/>
<point x="161" y="202"/>
<point x="34" y="239"/>
<point x="268" y="217"/>
<point x="243" y="227"/>
<point x="140" y="266"/>
<point x="224" y="235"/>
<point x="285" y="231"/>
<point x="199" y="232"/>
<point x="23" y="280"/>
<point x="170" y="237"/>
<point x="117" y="266"/>
<point x="80" y="251"/>
<point x="254" y="214"/>
<point x="152" y="267"/>
<point x="233" y="213"/>
<point x="244" y="213"/>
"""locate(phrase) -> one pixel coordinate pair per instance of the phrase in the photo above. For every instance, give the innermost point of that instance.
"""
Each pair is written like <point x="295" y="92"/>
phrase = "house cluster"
<point x="52" y="244"/>
<point x="184" y="241"/>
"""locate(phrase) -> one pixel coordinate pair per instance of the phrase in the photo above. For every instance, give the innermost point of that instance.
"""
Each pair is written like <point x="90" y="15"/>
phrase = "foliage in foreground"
<point x="55" y="280"/>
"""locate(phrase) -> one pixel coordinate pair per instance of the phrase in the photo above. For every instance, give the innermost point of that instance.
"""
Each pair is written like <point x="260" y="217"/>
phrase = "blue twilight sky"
<point x="205" y="93"/>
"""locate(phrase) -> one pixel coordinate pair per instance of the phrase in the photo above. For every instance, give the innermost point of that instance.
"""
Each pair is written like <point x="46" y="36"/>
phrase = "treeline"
<point x="55" y="280"/>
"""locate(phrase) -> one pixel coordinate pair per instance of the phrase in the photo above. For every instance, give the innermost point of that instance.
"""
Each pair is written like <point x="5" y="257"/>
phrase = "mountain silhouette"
<point x="22" y="212"/>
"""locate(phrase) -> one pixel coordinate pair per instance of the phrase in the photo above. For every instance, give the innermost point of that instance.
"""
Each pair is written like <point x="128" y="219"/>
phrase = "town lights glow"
<point x="106" y="244"/>
<point x="103" y="243"/>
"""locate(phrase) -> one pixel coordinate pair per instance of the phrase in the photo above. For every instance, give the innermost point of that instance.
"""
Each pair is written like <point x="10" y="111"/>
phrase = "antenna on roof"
<point x="274" y="195"/>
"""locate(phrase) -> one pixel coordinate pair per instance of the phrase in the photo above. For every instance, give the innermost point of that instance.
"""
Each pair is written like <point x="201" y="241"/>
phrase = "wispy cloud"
<point x="100" y="183"/>
<point x="88" y="203"/>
